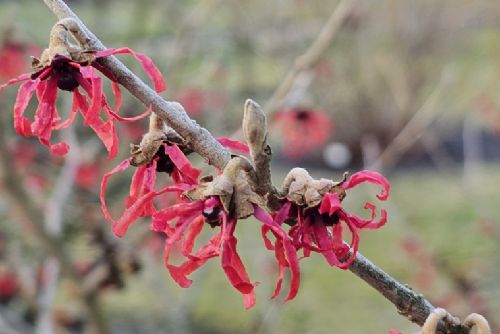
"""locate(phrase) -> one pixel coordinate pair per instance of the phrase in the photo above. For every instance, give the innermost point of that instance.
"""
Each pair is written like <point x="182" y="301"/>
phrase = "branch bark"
<point x="414" y="306"/>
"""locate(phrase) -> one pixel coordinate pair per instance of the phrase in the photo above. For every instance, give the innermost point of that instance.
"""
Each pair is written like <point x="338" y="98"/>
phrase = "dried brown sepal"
<point x="232" y="187"/>
<point x="302" y="189"/>
<point x="60" y="45"/>
<point x="157" y="134"/>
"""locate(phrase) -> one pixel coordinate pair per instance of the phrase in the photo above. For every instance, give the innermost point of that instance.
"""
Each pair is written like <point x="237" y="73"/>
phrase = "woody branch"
<point x="409" y="303"/>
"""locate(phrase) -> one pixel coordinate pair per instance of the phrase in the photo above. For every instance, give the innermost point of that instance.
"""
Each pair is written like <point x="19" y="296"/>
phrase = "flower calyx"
<point x="232" y="187"/>
<point x="152" y="143"/>
<point x="60" y="46"/>
<point x="302" y="189"/>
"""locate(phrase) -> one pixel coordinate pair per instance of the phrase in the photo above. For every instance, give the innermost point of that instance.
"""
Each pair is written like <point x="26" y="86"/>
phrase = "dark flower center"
<point x="164" y="163"/>
<point x="302" y="115"/>
<point x="212" y="216"/>
<point x="65" y="72"/>
<point x="314" y="214"/>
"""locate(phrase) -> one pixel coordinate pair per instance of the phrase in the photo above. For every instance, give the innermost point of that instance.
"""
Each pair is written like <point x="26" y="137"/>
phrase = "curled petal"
<point x="196" y="260"/>
<point x="118" y="95"/>
<point x="330" y="204"/>
<point x="285" y="254"/>
<point x="182" y="163"/>
<point x="192" y="233"/>
<point x="104" y="183"/>
<point x="72" y="115"/>
<point x="181" y="226"/>
<point x="147" y="64"/>
<point x="371" y="177"/>
<point x="26" y="91"/>
<point x="325" y="244"/>
<point x="163" y="217"/>
<point x="22" y="77"/>
<point x="233" y="266"/>
<point x="371" y="223"/>
<point x="234" y="145"/>
<point x="131" y="119"/>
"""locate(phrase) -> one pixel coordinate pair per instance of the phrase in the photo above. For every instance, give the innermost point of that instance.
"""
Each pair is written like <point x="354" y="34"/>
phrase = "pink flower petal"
<point x="182" y="163"/>
<point x="21" y="123"/>
<point x="147" y="64"/>
<point x="371" y="177"/>
<point x="234" y="145"/>
<point x="22" y="77"/>
<point x="285" y="253"/>
<point x="233" y="266"/>
<point x="192" y="233"/>
<point x="104" y="183"/>
<point x="131" y="119"/>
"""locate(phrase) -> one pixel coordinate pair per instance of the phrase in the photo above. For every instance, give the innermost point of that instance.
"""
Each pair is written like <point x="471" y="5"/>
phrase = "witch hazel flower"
<point x="67" y="67"/>
<point x="314" y="209"/>
<point x="303" y="129"/>
<point x="219" y="204"/>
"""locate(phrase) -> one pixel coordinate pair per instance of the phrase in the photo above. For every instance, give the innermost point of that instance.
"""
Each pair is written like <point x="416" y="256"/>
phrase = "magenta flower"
<point x="320" y="228"/>
<point x="66" y="74"/>
<point x="191" y="218"/>
<point x="303" y="130"/>
<point x="139" y="202"/>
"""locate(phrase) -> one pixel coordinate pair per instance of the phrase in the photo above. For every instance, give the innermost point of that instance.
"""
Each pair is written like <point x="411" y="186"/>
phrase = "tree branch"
<point x="413" y="306"/>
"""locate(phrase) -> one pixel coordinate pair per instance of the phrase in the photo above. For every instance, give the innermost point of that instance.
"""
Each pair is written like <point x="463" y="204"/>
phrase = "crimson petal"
<point x="234" y="145"/>
<point x="147" y="64"/>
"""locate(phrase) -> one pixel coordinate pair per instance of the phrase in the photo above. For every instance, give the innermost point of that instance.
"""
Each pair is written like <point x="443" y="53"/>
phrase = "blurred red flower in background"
<point x="193" y="101"/>
<point x="303" y="130"/>
<point x="9" y="285"/>
<point x="14" y="57"/>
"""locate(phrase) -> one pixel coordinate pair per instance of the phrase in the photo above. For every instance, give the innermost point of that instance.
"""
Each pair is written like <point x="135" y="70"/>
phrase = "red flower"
<point x="320" y="228"/>
<point x="9" y="286"/>
<point x="191" y="218"/>
<point x="88" y="174"/>
<point x="303" y="130"/>
<point x="66" y="74"/>
<point x="139" y="202"/>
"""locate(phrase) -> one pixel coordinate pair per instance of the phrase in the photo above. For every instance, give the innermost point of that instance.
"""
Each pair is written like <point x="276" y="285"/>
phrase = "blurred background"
<point x="409" y="88"/>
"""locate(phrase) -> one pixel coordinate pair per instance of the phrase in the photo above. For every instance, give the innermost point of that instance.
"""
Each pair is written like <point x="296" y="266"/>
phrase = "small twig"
<point x="312" y="55"/>
<point x="416" y="126"/>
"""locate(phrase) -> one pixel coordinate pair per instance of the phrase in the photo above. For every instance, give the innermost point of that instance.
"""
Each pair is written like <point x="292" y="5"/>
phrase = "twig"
<point x="311" y="56"/>
<point x="413" y="306"/>
<point x="415" y="127"/>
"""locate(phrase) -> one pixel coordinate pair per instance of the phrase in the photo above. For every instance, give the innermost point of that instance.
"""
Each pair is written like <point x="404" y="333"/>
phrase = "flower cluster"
<point x="66" y="67"/>
<point x="312" y="208"/>
<point x="315" y="210"/>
